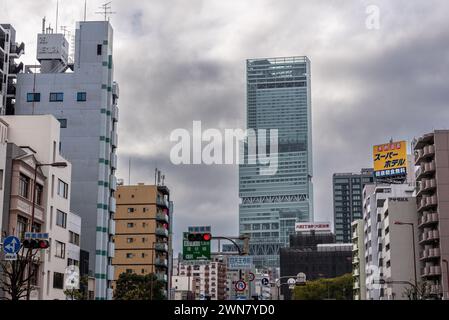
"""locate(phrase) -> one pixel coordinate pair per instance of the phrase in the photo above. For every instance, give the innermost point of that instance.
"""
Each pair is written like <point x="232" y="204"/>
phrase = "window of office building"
<point x="74" y="238"/>
<point x="59" y="249"/>
<point x="61" y="218"/>
<point x="56" y="96"/>
<point x="24" y="185"/>
<point x="63" y="123"/>
<point x="81" y="96"/>
<point x="33" y="97"/>
<point x="63" y="189"/>
<point x="58" y="280"/>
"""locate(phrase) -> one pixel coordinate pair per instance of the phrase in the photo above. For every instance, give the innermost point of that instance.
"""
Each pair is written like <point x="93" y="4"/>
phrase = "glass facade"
<point x="278" y="97"/>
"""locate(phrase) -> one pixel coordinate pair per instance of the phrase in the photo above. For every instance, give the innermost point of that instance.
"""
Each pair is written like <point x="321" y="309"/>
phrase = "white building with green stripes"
<point x="83" y="96"/>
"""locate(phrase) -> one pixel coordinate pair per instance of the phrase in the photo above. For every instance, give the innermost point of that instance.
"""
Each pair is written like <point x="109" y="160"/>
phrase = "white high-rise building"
<point x="83" y="96"/>
<point x="374" y="197"/>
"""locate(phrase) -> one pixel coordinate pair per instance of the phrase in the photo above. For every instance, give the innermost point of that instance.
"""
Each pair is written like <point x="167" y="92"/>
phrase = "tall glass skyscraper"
<point x="278" y="97"/>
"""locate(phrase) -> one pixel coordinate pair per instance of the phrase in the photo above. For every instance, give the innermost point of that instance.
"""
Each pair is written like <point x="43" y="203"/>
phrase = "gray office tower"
<point x="82" y="95"/>
<point x="347" y="190"/>
<point x="278" y="97"/>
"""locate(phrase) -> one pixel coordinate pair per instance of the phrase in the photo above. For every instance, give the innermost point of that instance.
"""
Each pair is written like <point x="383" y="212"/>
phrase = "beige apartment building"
<point x="142" y="231"/>
<point x="432" y="197"/>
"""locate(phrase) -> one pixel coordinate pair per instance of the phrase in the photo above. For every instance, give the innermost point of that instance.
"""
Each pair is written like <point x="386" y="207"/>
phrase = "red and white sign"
<point x="316" y="226"/>
<point x="251" y="276"/>
<point x="240" y="285"/>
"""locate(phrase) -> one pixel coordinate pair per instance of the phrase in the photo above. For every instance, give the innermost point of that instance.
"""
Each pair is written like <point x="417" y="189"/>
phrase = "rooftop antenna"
<point x="57" y="14"/>
<point x="129" y="171"/>
<point x="43" y="25"/>
<point x="106" y="10"/>
<point x="65" y="30"/>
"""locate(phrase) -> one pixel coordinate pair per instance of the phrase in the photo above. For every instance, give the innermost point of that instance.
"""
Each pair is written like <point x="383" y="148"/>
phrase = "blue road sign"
<point x="11" y="244"/>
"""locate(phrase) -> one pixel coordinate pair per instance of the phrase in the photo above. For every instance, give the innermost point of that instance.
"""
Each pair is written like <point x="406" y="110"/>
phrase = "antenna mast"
<point x="57" y="14"/>
<point x="106" y="10"/>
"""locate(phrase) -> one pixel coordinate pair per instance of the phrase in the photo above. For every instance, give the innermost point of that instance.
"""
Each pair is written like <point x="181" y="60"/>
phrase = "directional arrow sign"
<point x="11" y="244"/>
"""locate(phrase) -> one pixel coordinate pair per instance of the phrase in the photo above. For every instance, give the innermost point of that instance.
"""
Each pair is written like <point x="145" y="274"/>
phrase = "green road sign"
<point x="195" y="250"/>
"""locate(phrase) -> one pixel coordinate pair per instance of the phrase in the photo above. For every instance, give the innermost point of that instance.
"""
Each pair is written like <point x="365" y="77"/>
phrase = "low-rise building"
<point x="32" y="147"/>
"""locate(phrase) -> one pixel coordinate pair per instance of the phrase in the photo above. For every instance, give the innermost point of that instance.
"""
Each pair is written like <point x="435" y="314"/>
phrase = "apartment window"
<point x="130" y="225"/>
<point x="1" y="179"/>
<point x="99" y="47"/>
<point x="129" y="255"/>
<point x="63" y="123"/>
<point x="58" y="280"/>
<point x="61" y="218"/>
<point x="130" y="210"/>
<point x="63" y="189"/>
<point x="72" y="262"/>
<point x="60" y="249"/>
<point x="21" y="226"/>
<point x="56" y="96"/>
<point x="81" y="96"/>
<point x="74" y="238"/>
<point x="39" y="192"/>
<point x="33" y="97"/>
<point x="129" y="240"/>
<point x="24" y="184"/>
<point x="129" y="270"/>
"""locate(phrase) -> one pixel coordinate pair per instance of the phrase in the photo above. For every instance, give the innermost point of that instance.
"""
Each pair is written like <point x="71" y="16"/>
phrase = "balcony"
<point x="111" y="250"/>
<point x="23" y="205"/>
<point x="160" y="201"/>
<point x="161" y="262"/>
<point x="427" y="203"/>
<point x="110" y="275"/>
<point x="162" y="277"/>
<point x="113" y="160"/>
<point x="356" y="285"/>
<point x="162" y="232"/>
<point x="428" y="219"/>
<point x="163" y="217"/>
<point x="115" y="89"/>
<point x="161" y="246"/>
<point x="109" y="293"/>
<point x="112" y="204"/>
<point x="112" y="227"/>
<point x="115" y="113"/>
<point x="429" y="236"/>
<point x="113" y="182"/>
<point x="114" y="140"/>
<point x="355" y="272"/>
<point x="429" y="254"/>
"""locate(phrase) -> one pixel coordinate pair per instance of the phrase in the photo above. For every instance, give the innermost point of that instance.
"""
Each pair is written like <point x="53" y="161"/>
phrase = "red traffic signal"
<point x="35" y="244"/>
<point x="199" y="237"/>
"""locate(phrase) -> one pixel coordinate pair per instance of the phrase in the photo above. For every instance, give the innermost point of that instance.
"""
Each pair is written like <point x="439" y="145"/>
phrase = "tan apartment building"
<point x="432" y="196"/>
<point x="142" y="231"/>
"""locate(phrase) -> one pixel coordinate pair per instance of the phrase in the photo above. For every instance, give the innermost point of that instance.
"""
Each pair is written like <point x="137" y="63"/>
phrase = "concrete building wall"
<point x="88" y="136"/>
<point x="397" y="246"/>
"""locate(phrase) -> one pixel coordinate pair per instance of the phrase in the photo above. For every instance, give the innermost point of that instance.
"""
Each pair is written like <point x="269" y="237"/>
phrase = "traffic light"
<point x="199" y="237"/>
<point x="35" y="244"/>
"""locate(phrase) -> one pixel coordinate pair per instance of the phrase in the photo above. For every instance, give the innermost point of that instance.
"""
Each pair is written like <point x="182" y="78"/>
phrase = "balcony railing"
<point x="162" y="277"/>
<point x="160" y="262"/>
<point x="159" y="246"/>
<point x="160" y="216"/>
<point x="162" y="232"/>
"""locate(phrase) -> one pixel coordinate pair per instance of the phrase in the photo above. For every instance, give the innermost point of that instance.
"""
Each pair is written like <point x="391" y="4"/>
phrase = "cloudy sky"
<point x="179" y="61"/>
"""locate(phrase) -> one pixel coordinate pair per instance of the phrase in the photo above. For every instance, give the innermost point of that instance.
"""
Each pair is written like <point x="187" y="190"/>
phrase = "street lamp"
<point x="412" y="225"/>
<point x="33" y="205"/>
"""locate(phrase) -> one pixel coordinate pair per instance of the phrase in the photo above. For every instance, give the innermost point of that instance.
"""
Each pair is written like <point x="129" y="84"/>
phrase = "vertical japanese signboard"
<point x="390" y="159"/>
